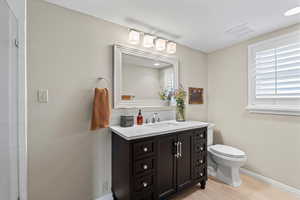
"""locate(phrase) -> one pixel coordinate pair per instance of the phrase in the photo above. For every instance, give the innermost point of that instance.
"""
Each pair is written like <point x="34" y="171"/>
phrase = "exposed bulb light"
<point x="134" y="37"/>
<point x="293" y="11"/>
<point x="171" y="47"/>
<point x="156" y="64"/>
<point x="160" y="44"/>
<point x="148" y="41"/>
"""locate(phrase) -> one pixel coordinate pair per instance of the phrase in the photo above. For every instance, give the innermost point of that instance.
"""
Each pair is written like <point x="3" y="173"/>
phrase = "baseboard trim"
<point x="272" y="182"/>
<point x="106" y="197"/>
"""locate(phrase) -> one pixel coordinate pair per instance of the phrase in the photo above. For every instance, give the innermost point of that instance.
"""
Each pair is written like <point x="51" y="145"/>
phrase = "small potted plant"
<point x="180" y="96"/>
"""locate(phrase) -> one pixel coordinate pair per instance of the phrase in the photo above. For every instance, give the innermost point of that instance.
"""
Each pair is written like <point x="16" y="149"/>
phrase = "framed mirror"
<point x="143" y="78"/>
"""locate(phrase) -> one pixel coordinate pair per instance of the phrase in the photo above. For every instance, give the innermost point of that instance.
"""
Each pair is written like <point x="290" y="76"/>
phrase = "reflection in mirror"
<point x="146" y="81"/>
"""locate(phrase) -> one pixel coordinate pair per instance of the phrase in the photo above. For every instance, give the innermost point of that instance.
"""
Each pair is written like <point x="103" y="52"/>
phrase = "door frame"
<point x="18" y="7"/>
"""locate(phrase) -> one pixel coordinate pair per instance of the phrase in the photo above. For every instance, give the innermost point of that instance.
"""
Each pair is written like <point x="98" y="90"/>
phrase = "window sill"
<point x="274" y="110"/>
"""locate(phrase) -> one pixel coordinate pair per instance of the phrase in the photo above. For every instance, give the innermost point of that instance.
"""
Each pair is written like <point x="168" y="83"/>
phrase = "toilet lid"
<point x="227" y="151"/>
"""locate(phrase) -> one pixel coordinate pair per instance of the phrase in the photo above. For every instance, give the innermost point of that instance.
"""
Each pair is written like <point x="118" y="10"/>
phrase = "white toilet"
<point x="224" y="162"/>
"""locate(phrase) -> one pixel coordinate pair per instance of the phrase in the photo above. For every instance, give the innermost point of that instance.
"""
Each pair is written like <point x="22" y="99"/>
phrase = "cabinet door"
<point x="166" y="175"/>
<point x="184" y="161"/>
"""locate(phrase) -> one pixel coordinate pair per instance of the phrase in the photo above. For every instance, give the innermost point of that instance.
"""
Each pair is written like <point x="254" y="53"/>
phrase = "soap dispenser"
<point x="139" y="118"/>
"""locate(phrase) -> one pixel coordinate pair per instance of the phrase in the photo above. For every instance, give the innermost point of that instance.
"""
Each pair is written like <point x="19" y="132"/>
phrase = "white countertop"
<point x="159" y="128"/>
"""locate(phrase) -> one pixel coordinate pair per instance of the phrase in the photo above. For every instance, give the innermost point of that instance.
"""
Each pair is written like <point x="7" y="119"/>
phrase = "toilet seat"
<point x="227" y="151"/>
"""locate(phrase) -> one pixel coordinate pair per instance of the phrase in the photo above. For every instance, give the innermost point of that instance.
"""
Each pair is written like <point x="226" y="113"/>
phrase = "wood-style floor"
<point x="251" y="189"/>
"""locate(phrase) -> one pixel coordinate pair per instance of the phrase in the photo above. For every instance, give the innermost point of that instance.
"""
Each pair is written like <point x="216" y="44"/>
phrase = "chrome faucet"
<point x="155" y="118"/>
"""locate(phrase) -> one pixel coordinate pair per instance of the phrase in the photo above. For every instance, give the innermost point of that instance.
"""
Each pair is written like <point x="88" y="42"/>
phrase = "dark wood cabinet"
<point x="166" y="181"/>
<point x="158" y="167"/>
<point x="184" y="161"/>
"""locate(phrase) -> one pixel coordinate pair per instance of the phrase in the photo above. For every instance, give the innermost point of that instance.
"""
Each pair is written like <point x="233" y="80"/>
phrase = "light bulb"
<point x="148" y="41"/>
<point x="160" y="44"/>
<point x="134" y="37"/>
<point x="293" y="11"/>
<point x="171" y="47"/>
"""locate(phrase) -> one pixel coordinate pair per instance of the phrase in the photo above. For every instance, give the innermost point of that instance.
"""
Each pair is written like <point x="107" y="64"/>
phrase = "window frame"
<point x="267" y="108"/>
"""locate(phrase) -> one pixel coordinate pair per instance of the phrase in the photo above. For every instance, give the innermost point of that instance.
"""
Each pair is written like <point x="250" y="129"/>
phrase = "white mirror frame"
<point x="120" y="49"/>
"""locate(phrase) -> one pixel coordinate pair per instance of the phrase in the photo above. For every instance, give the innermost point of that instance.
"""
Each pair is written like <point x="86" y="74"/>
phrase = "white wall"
<point x="67" y="51"/>
<point x="271" y="142"/>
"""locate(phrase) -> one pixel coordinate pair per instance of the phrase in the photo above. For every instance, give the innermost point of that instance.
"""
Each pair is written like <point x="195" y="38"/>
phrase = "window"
<point x="274" y="75"/>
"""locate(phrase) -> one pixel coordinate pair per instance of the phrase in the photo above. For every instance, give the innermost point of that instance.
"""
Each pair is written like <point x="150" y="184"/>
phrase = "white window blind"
<point x="274" y="74"/>
<point x="170" y="82"/>
<point x="168" y="78"/>
<point x="278" y="72"/>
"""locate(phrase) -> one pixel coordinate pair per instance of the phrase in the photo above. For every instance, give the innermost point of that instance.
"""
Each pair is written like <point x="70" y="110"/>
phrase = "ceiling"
<point x="205" y="25"/>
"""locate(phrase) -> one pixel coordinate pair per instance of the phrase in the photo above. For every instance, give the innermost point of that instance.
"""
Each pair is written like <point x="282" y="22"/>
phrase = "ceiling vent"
<point x="240" y="31"/>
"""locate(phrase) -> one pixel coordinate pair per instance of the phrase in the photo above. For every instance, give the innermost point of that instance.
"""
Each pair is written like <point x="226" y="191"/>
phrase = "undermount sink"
<point x="163" y="125"/>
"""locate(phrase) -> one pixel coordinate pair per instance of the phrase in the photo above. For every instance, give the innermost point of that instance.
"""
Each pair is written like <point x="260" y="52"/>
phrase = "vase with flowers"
<point x="180" y="96"/>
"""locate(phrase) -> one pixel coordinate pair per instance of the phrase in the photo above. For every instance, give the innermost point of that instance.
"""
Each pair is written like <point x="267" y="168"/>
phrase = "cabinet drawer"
<point x="199" y="147"/>
<point x="199" y="160"/>
<point x="144" y="166"/>
<point x="199" y="173"/>
<point x="144" y="196"/>
<point x="144" y="183"/>
<point x="143" y="149"/>
<point x="200" y="134"/>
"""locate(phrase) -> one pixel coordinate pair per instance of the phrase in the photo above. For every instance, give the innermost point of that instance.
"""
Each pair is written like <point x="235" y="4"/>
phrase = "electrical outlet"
<point x="42" y="96"/>
<point x="105" y="186"/>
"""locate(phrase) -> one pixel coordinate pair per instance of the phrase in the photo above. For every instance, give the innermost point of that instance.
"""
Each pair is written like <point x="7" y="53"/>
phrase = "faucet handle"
<point x="157" y="117"/>
<point x="153" y="119"/>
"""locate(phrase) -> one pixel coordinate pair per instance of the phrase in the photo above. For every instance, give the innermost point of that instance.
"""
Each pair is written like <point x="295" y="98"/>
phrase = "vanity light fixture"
<point x="148" y="41"/>
<point x="171" y="47"/>
<point x="156" y="64"/>
<point x="293" y="11"/>
<point x="160" y="44"/>
<point x="134" y="37"/>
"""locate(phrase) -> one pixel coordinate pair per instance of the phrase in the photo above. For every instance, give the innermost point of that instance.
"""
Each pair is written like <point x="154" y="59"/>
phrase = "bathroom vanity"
<point x="153" y="161"/>
<point x="156" y="161"/>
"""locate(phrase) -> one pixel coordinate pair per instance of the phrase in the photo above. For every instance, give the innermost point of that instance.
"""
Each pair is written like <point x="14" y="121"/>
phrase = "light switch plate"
<point x="42" y="96"/>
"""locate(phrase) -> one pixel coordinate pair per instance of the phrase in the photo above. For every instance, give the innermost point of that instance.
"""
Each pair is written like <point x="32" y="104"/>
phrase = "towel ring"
<point x="105" y="80"/>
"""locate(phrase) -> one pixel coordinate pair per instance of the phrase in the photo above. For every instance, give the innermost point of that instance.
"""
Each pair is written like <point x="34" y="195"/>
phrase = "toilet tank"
<point x="210" y="134"/>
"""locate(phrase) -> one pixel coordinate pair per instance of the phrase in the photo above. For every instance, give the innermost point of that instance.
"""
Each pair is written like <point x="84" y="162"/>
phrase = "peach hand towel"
<point x="101" y="109"/>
